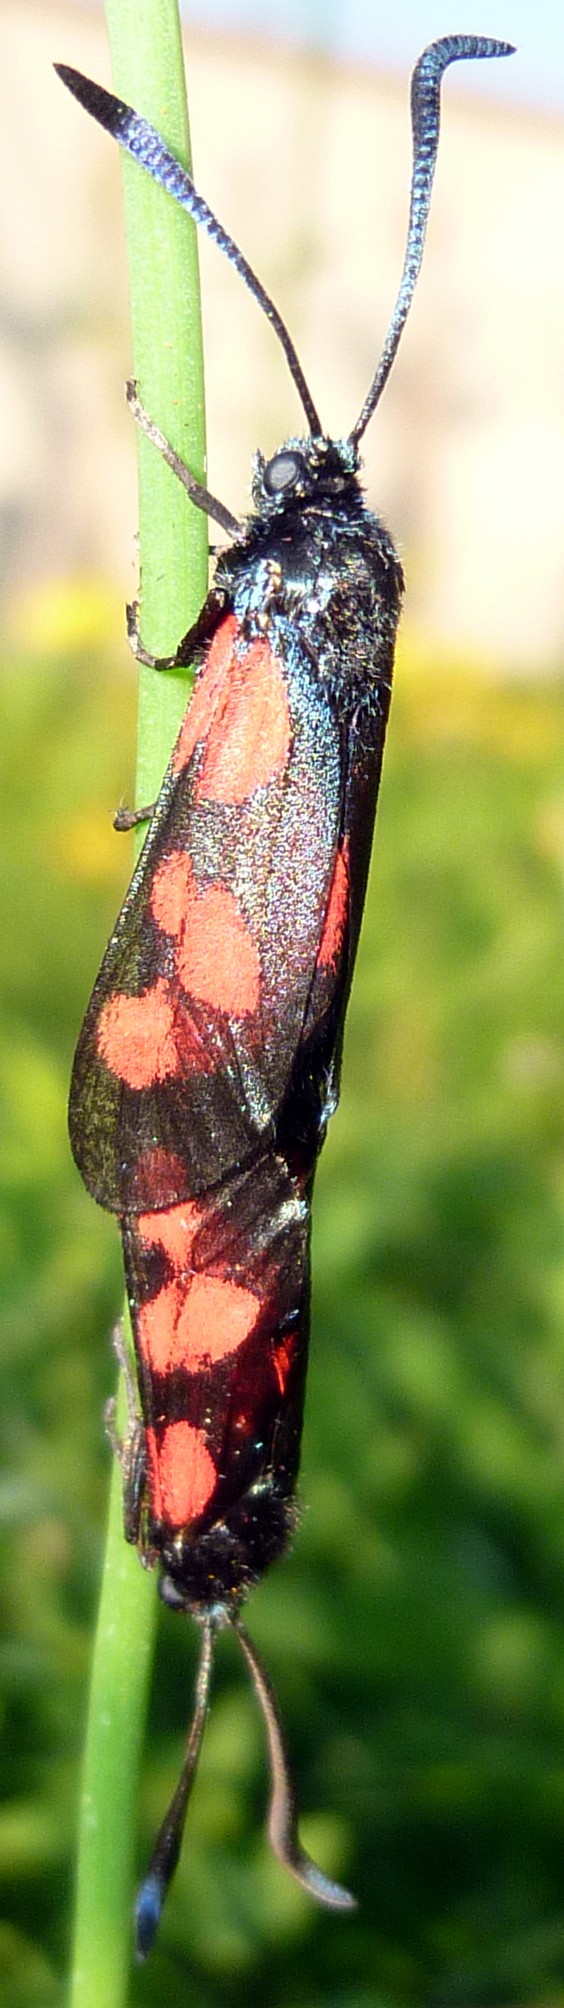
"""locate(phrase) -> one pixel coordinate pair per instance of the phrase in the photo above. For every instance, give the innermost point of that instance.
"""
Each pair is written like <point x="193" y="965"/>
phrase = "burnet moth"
<point x="208" y="1063"/>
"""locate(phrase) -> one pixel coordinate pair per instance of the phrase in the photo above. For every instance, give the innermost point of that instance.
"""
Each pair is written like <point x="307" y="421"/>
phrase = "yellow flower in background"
<point x="442" y="699"/>
<point x="61" y="616"/>
<point x="84" y="848"/>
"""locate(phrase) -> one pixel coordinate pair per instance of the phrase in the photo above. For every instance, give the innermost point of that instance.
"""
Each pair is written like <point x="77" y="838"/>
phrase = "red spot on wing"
<point x="334" y="926"/>
<point x="157" y="1329"/>
<point x="182" y="1473"/>
<point x="216" y="957"/>
<point x="173" y="892"/>
<point x="217" y="960"/>
<point x="216" y="1318"/>
<point x="249" y="740"/>
<point x="136" y="1036"/>
<point x="240" y="709"/>
<point x="207" y="694"/>
<point x="148" y="1039"/>
<point x="173" y="1230"/>
<point x="195" y="1321"/>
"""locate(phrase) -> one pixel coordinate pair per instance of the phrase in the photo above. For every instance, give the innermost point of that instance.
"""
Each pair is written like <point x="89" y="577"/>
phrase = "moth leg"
<point x="134" y="1485"/>
<point x="119" y="1443"/>
<point x="137" y="647"/>
<point x="127" y="819"/>
<point x="189" y="648"/>
<point x="129" y="1449"/>
<point x="196" y="638"/>
<point x="123" y="1357"/>
<point x="195" y="489"/>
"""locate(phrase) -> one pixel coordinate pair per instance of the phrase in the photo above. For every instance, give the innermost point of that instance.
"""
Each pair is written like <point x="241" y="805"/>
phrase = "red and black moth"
<point x="208" y="1064"/>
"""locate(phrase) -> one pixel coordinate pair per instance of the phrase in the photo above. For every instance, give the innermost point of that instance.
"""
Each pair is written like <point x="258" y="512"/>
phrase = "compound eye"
<point x="283" y="472"/>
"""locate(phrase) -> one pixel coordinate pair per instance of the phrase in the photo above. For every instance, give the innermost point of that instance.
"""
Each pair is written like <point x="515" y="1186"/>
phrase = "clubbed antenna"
<point x="169" y="1839"/>
<point x="283" y="1813"/>
<point x="140" y="139"/>
<point x="425" y="125"/>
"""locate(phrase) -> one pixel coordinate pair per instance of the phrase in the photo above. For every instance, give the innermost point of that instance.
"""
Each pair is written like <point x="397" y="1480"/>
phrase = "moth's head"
<point x="301" y="471"/>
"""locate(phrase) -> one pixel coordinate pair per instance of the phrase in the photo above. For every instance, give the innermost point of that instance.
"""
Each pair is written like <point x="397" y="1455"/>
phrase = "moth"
<point x="208" y="1064"/>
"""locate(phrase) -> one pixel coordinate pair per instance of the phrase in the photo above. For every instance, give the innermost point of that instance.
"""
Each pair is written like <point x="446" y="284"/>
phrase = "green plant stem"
<point x="167" y="364"/>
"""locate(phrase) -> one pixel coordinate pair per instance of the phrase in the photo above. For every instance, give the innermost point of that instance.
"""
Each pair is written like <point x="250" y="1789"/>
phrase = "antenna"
<point x="283" y="1812"/>
<point x="140" y="139"/>
<point x="169" y="1838"/>
<point x="425" y="126"/>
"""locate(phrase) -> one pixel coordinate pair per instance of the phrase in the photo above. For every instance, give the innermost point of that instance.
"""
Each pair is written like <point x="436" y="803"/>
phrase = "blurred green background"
<point x="416" y="1632"/>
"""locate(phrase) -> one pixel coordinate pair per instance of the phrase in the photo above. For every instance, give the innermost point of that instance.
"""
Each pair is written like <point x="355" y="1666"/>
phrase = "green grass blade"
<point x="167" y="364"/>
